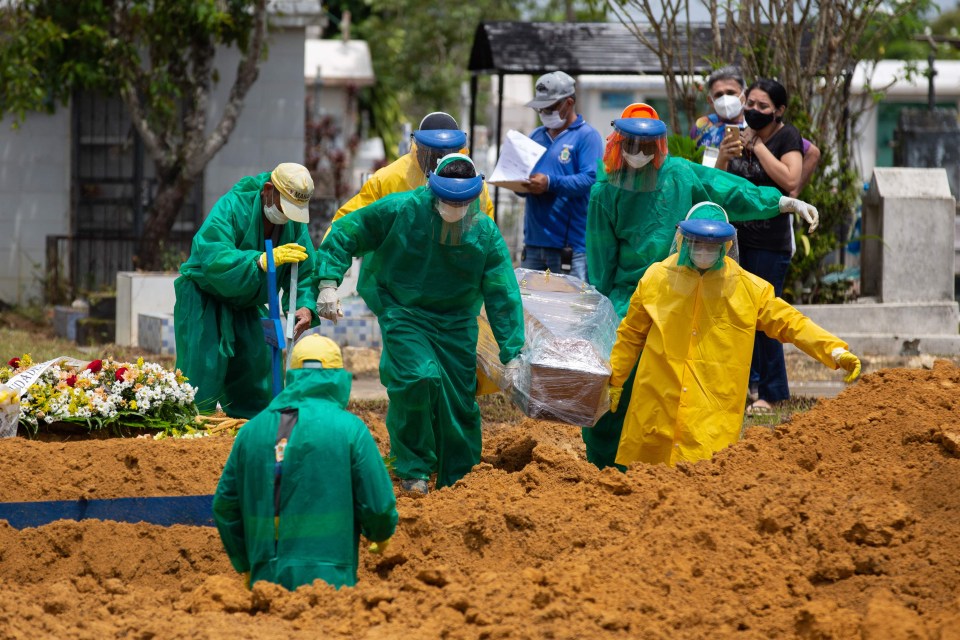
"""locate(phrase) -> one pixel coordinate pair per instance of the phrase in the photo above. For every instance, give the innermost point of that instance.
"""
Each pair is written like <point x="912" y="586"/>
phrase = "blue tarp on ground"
<point x="164" y="511"/>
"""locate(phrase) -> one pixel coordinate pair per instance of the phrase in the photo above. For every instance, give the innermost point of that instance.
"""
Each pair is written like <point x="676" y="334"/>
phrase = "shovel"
<point x="291" y="313"/>
<point x="272" y="326"/>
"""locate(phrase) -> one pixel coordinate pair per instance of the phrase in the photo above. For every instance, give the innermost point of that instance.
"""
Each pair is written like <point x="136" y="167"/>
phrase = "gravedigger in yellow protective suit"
<point x="691" y="323"/>
<point x="635" y="205"/>
<point x="437" y="136"/>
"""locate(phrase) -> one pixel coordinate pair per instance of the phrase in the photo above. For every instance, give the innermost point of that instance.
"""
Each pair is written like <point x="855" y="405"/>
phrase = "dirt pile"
<point x="843" y="523"/>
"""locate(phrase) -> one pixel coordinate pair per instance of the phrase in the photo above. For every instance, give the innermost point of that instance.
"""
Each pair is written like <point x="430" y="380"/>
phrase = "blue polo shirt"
<point x="571" y="165"/>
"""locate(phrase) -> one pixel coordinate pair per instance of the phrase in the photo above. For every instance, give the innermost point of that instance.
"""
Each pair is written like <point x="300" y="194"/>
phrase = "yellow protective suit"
<point x="403" y="174"/>
<point x="696" y="335"/>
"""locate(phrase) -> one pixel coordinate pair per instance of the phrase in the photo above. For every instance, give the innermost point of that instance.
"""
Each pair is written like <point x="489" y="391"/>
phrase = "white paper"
<point x="710" y="155"/>
<point x="518" y="156"/>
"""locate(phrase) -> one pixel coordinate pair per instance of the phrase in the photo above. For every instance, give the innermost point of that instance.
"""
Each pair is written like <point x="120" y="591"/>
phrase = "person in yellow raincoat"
<point x="437" y="136"/>
<point x="693" y="317"/>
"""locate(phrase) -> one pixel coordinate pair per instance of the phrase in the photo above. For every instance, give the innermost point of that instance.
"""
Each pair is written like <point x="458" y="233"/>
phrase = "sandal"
<point x="760" y="408"/>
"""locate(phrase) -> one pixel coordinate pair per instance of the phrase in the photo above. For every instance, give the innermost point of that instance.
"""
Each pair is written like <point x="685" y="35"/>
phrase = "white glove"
<point x="803" y="209"/>
<point x="328" y="304"/>
<point x="511" y="372"/>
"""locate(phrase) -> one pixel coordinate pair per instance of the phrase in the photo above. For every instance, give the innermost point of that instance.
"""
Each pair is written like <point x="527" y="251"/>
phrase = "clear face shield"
<point x="429" y="146"/>
<point x="456" y="200"/>
<point x="456" y="219"/>
<point x="635" y="151"/>
<point x="427" y="158"/>
<point x="638" y="163"/>
<point x="705" y="238"/>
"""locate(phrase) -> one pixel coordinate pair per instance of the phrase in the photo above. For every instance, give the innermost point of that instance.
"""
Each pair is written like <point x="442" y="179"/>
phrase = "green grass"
<point x="781" y="412"/>
<point x="20" y="334"/>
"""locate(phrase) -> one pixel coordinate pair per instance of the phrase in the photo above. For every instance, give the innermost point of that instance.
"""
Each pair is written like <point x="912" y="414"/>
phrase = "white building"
<point x="81" y="172"/>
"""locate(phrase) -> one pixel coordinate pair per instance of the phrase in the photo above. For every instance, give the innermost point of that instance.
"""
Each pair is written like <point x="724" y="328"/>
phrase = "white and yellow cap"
<point x="295" y="186"/>
<point x="314" y="348"/>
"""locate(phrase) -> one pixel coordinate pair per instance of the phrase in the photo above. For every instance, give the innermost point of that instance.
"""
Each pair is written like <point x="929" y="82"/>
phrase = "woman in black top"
<point x="772" y="155"/>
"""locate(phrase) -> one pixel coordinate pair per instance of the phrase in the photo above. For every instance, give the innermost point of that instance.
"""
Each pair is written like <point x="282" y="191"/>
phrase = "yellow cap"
<point x="295" y="186"/>
<point x="317" y="348"/>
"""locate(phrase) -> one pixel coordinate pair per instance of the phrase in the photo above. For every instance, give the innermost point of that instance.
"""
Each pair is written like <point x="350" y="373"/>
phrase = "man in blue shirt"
<point x="555" y="220"/>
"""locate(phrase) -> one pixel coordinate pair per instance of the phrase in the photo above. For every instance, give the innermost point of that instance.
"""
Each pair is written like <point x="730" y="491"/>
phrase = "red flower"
<point x="13" y="363"/>
<point x="71" y="380"/>
<point x="95" y="366"/>
<point x="119" y="374"/>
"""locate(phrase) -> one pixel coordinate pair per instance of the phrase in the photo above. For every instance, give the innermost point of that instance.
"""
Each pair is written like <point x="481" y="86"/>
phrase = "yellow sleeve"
<point x="370" y="192"/>
<point x="782" y="322"/>
<point x="631" y="336"/>
<point x="486" y="201"/>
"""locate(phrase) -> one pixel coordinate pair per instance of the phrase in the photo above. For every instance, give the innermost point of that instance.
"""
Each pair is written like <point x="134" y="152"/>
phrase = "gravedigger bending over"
<point x="304" y="480"/>
<point x="222" y="288"/>
<point x="431" y="259"/>
<point x="691" y="324"/>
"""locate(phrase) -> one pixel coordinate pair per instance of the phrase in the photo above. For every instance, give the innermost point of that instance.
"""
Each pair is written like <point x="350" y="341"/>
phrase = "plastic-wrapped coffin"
<point x="570" y="330"/>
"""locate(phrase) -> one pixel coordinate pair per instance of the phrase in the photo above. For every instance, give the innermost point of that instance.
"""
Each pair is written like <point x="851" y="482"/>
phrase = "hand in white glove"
<point x="511" y="372"/>
<point x="803" y="209"/>
<point x="328" y="304"/>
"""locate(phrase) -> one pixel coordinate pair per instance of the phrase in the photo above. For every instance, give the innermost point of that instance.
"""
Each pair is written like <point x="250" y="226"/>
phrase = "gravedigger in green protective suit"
<point x="431" y="258"/>
<point x="222" y="288"/>
<point x="304" y="480"/>
<point x="640" y="196"/>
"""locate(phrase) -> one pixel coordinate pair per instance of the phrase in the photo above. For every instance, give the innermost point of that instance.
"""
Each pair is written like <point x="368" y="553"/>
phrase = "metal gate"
<point x="113" y="185"/>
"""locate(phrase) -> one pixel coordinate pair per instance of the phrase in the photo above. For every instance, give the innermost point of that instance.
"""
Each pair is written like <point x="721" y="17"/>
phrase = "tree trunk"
<point x="171" y="194"/>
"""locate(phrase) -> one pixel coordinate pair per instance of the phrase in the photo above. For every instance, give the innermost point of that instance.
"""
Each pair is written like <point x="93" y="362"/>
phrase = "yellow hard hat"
<point x="319" y="349"/>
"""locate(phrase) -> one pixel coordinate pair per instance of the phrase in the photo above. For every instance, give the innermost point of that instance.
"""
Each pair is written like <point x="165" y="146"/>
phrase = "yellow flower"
<point x="140" y="361"/>
<point x="133" y="405"/>
<point x="26" y="361"/>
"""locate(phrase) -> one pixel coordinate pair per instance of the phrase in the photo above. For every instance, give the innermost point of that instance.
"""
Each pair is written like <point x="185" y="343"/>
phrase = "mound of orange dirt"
<point x="843" y="523"/>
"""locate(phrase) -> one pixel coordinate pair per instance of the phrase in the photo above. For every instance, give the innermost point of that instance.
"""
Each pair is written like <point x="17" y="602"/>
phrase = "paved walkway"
<point x="368" y="387"/>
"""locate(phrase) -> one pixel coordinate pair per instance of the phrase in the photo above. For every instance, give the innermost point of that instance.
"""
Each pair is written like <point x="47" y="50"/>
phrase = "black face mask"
<point x="757" y="120"/>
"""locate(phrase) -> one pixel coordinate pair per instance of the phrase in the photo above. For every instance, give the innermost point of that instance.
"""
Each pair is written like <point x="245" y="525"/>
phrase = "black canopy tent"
<point x="534" y="48"/>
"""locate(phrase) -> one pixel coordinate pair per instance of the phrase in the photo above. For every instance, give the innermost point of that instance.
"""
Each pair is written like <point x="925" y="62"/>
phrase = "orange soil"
<point x="843" y="523"/>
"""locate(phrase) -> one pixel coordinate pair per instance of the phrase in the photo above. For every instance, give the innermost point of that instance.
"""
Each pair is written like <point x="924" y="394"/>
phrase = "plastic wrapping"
<point x="9" y="411"/>
<point x="565" y="364"/>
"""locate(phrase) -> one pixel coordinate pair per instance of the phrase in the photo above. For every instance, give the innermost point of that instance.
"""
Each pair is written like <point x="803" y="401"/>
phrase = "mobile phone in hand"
<point x="732" y="131"/>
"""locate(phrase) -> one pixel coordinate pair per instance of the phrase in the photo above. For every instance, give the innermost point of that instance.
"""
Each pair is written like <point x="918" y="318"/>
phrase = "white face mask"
<point x="728" y="107"/>
<point x="637" y="160"/>
<point x="274" y="214"/>
<point x="452" y="212"/>
<point x="551" y="120"/>
<point x="705" y="255"/>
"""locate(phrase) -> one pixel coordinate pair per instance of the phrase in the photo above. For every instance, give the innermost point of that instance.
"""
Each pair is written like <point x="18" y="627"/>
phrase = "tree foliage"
<point x="421" y="48"/>
<point x="158" y="55"/>
<point x="812" y="47"/>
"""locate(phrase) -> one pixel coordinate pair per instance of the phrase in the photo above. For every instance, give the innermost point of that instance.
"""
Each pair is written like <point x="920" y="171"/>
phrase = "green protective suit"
<point x="426" y="295"/>
<point x="334" y="487"/>
<point x="221" y="294"/>
<point x="627" y="231"/>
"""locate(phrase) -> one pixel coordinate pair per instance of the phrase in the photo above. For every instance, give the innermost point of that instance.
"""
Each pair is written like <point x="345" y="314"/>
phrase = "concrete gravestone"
<point x="907" y="304"/>
<point x="908" y="228"/>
